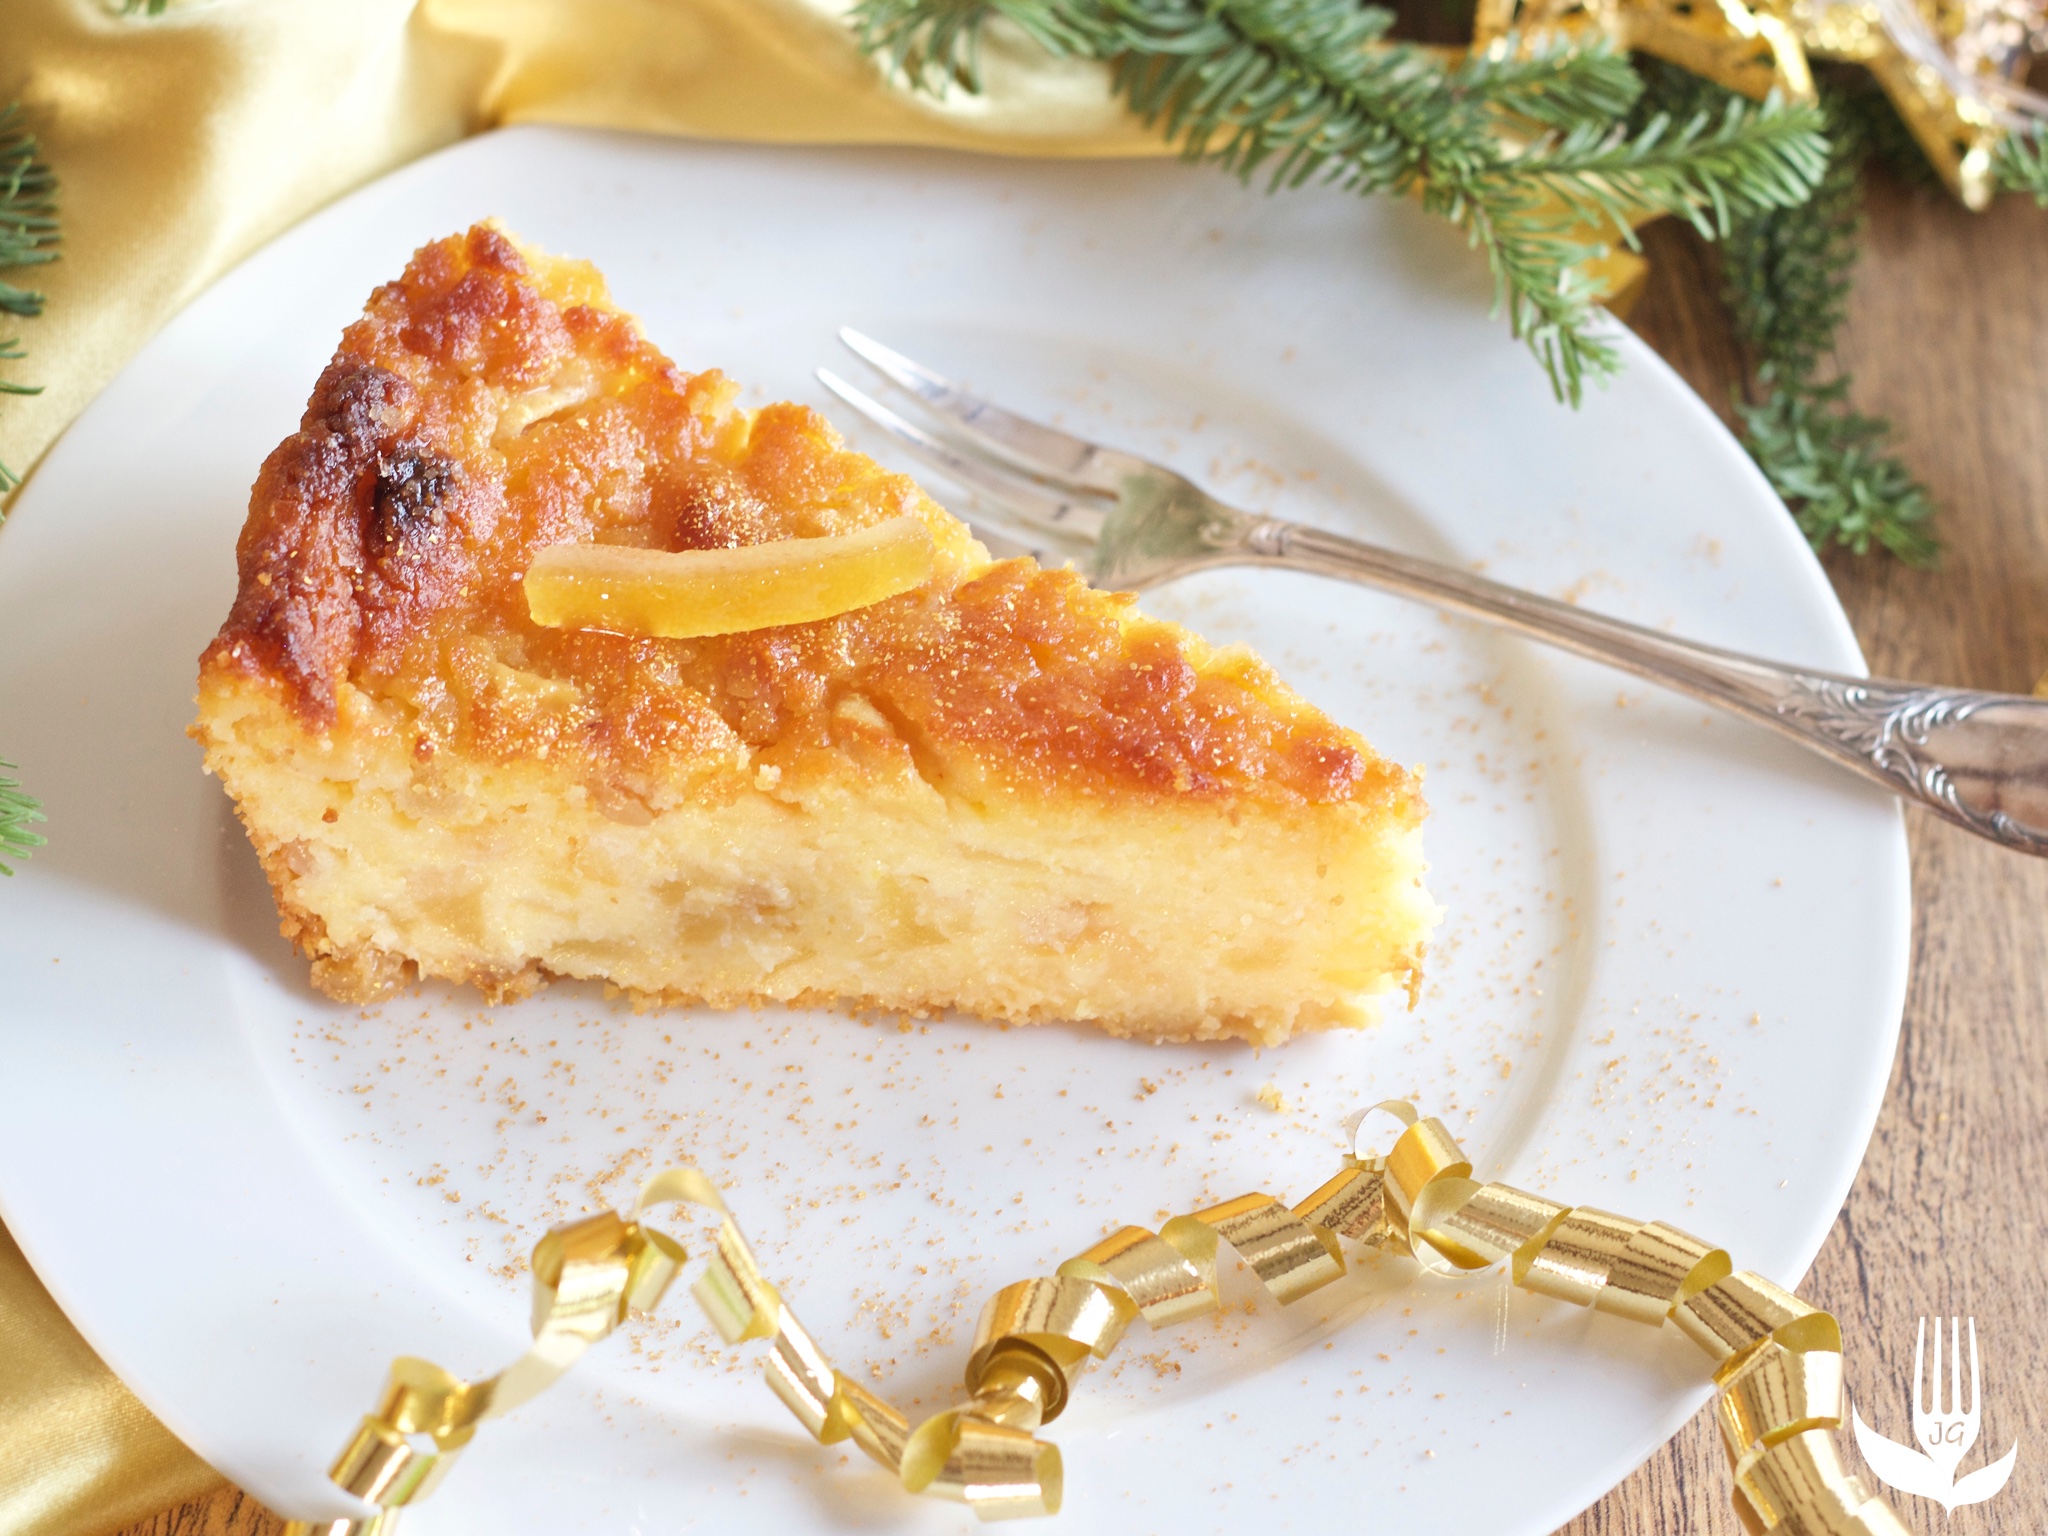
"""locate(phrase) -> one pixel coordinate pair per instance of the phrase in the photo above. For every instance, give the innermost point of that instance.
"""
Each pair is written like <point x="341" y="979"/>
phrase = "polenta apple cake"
<point x="999" y="791"/>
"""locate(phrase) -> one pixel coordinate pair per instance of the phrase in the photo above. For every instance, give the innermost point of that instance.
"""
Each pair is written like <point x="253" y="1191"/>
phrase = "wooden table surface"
<point x="1948" y="336"/>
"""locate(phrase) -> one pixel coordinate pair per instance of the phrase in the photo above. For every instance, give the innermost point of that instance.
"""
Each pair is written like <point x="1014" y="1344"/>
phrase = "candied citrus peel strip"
<point x="682" y="595"/>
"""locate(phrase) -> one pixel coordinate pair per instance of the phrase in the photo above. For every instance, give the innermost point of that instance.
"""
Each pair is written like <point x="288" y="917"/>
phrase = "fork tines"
<point x="1035" y="479"/>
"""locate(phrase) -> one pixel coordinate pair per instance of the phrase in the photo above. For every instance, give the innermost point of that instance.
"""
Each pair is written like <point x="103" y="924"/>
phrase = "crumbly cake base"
<point x="844" y="881"/>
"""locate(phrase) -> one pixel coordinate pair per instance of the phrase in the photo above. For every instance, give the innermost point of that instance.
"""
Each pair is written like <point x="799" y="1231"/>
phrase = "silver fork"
<point x="1945" y="1428"/>
<point x="1978" y="759"/>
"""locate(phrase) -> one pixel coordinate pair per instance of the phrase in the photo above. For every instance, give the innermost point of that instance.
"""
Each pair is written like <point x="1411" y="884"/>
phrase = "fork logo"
<point x="1943" y="1429"/>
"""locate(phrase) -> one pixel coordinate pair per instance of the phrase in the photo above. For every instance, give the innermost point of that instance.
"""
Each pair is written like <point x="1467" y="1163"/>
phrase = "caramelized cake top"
<point x="492" y="402"/>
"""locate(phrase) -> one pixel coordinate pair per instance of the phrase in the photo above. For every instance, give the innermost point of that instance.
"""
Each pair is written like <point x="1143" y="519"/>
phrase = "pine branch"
<point x="1786" y="275"/>
<point x="10" y="351"/>
<point x="18" y="812"/>
<point x="1311" y="90"/>
<point x="1788" y="279"/>
<point x="2021" y="164"/>
<point x="1557" y="82"/>
<point x="1298" y="83"/>
<point x="1708" y="173"/>
<point x="1834" y="467"/>
<point x="934" y="42"/>
<point x="28" y="233"/>
<point x="28" y="228"/>
<point x="1539" y="277"/>
<point x="28" y="211"/>
<point x="1857" y="105"/>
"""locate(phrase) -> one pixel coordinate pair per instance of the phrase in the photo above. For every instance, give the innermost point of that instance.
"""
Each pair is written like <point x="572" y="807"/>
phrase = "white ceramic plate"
<point x="1669" y="983"/>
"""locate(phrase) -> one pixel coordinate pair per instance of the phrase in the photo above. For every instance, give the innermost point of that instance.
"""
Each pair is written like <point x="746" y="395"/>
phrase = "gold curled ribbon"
<point x="1777" y="1362"/>
<point x="588" y="1276"/>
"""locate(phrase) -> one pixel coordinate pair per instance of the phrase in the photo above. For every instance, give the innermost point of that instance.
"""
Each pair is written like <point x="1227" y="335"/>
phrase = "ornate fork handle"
<point x="1978" y="759"/>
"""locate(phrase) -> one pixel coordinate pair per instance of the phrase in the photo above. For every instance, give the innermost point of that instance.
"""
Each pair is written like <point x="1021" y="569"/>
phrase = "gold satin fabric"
<point x="78" y="1453"/>
<point x="184" y="141"/>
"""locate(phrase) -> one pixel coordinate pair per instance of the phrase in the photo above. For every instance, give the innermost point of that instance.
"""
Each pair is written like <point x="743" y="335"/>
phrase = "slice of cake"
<point x="1001" y="792"/>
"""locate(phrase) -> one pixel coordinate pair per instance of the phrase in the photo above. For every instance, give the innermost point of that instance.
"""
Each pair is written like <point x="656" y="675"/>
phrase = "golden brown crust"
<point x="490" y="403"/>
